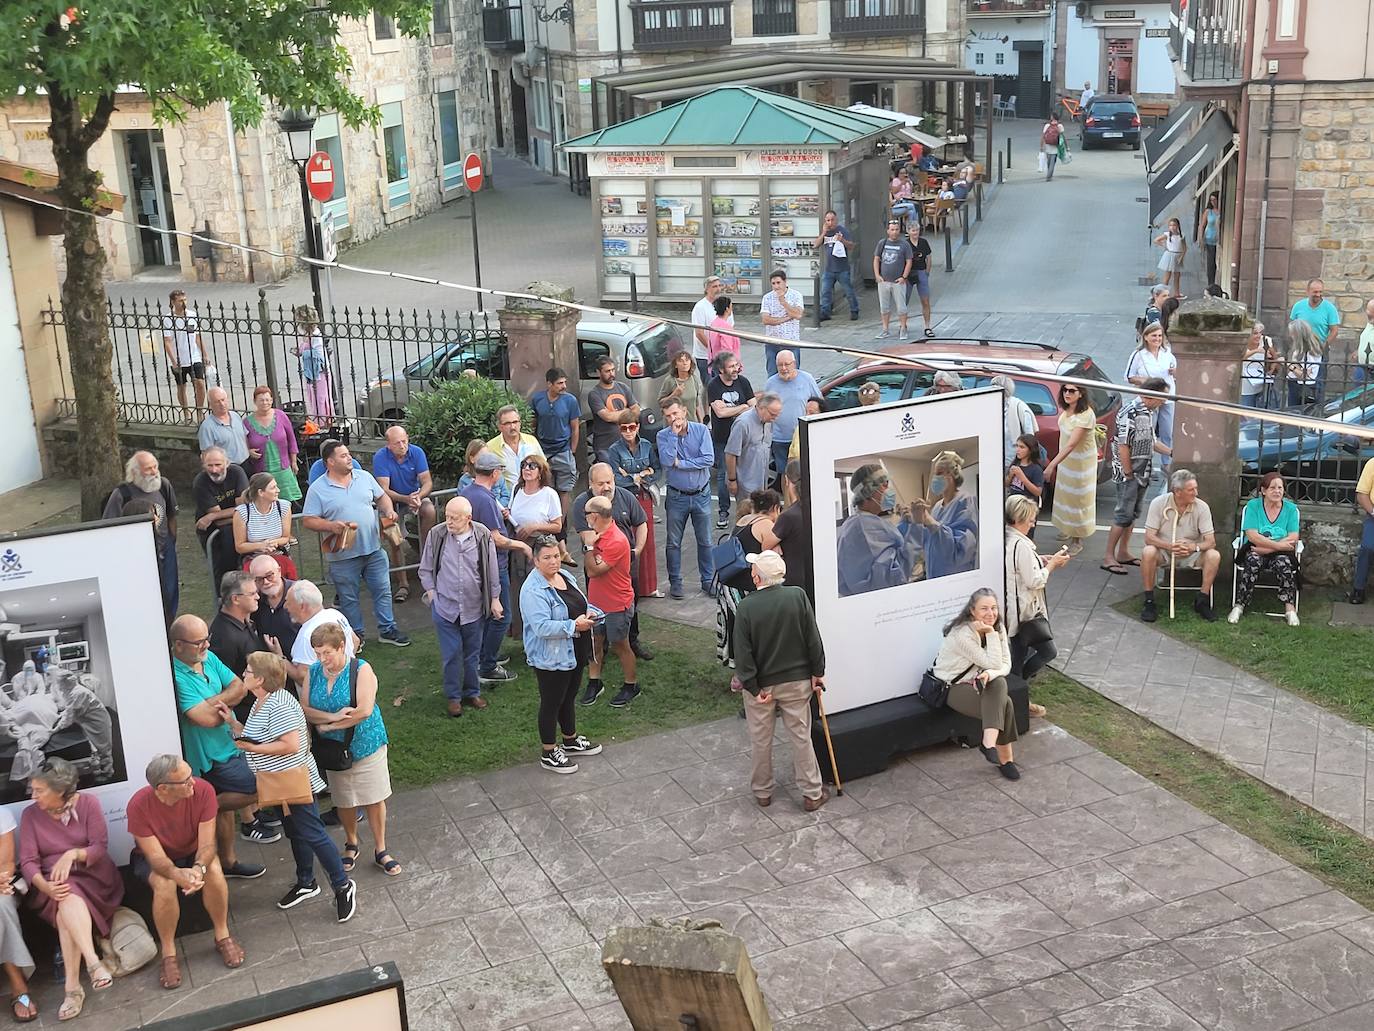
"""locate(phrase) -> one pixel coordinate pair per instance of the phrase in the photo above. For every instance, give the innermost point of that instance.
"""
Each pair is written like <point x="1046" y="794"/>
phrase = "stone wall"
<point x="1331" y="540"/>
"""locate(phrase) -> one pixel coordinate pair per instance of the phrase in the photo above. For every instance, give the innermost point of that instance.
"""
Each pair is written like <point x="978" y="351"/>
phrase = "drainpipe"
<point x="1264" y="201"/>
<point x="619" y="43"/>
<point x="241" y="207"/>
<point x="1238" y="229"/>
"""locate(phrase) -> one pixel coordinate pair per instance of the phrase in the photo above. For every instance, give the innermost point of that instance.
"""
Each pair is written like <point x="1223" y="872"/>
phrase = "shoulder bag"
<point x="284" y="787"/>
<point x="729" y="559"/>
<point x="934" y="691"/>
<point x="331" y="754"/>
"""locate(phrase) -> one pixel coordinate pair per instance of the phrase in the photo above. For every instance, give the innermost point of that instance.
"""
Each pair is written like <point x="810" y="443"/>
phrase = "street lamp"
<point x="298" y="126"/>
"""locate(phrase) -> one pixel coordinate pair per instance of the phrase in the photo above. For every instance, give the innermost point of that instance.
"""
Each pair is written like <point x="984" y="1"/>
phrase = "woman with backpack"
<point x="753" y="533"/>
<point x="1050" y="136"/>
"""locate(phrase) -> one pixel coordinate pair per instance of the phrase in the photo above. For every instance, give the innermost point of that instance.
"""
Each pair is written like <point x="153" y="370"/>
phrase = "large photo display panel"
<point x="84" y="673"/>
<point x="905" y="507"/>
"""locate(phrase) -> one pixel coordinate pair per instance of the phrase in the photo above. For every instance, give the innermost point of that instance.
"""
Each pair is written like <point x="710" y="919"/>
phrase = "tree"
<point x="184" y="54"/>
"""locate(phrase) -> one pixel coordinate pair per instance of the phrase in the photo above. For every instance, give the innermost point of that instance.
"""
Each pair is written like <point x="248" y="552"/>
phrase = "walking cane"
<point x="1173" y="558"/>
<point x="830" y="747"/>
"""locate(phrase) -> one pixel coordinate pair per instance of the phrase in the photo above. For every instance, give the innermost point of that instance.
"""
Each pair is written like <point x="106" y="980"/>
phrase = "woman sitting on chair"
<point x="1269" y="540"/>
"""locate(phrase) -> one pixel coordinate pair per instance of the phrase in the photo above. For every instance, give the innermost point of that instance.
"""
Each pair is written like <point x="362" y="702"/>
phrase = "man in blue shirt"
<point x="836" y="244"/>
<point x="342" y="500"/>
<point x="402" y="470"/>
<point x="557" y="427"/>
<point x="486" y="470"/>
<point x="1324" y="318"/>
<point x="688" y="459"/>
<point x="795" y="387"/>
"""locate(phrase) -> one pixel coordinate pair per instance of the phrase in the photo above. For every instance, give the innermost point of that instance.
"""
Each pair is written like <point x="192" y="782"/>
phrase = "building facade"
<point x="543" y="59"/>
<point x="239" y="182"/>
<point x="1014" y="42"/>
<point x="1297" y="186"/>
<point x="1117" y="47"/>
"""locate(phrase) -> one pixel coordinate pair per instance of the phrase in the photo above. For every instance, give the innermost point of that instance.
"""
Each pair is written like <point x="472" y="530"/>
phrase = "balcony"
<point x="503" y="27"/>
<point x="775" y="17"/>
<point x="1208" y="39"/>
<point x="681" y="24"/>
<point x="855" y="18"/>
<point x="1008" y="8"/>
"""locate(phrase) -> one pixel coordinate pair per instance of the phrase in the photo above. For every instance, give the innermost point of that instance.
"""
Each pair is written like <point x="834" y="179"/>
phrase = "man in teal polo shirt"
<point x="201" y="680"/>
<point x="1324" y="318"/>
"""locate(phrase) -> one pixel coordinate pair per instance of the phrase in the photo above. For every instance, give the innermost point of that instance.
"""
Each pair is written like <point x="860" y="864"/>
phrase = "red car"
<point x="981" y="360"/>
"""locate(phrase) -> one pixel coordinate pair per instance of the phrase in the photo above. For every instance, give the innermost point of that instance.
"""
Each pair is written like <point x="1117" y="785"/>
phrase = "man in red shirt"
<point x="172" y="821"/>
<point x="611" y="590"/>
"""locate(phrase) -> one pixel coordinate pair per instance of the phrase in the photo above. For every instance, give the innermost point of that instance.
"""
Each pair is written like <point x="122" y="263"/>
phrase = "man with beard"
<point x="628" y="515"/>
<point x="217" y="489"/>
<point x="871" y="552"/>
<point x="608" y="400"/>
<point x="144" y="482"/>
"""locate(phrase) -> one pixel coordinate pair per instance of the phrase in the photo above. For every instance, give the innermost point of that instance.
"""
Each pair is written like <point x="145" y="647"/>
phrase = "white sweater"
<point x="964" y="648"/>
<point x="1026" y="579"/>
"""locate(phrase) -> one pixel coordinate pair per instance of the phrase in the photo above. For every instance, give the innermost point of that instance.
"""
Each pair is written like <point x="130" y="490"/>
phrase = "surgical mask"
<point x="890" y="500"/>
<point x="937" y="485"/>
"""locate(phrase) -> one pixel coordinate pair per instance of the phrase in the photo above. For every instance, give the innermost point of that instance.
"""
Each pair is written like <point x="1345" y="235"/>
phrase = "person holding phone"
<point x="1028" y="623"/>
<point x="974" y="661"/>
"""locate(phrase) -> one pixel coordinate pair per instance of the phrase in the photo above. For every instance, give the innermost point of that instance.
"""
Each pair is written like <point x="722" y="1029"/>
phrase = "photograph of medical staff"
<point x="907" y="516"/>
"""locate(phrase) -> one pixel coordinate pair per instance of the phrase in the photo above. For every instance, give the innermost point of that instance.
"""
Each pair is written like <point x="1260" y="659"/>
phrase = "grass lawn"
<point x="1326" y="665"/>
<point x="1304" y="837"/>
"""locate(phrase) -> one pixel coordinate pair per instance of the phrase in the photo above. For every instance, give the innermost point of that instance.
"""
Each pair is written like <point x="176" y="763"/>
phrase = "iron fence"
<point x="377" y="359"/>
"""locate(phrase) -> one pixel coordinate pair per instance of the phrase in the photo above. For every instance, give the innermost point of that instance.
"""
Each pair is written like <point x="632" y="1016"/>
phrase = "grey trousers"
<point x="992" y="705"/>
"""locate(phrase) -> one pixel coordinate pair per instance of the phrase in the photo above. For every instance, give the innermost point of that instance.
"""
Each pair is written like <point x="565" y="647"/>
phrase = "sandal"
<point x="230" y="951"/>
<point x="930" y="332"/>
<point x="170" y="976"/>
<point x="1128" y="562"/>
<point x="72" y="1003"/>
<point x="101" y="977"/>
<point x="30" y="1011"/>
<point x="386" y="862"/>
<point x="1113" y="568"/>
<point x="400" y="595"/>
<point x="350" y="856"/>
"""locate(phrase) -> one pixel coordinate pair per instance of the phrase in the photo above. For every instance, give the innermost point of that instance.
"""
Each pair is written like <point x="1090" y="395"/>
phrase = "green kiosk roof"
<point x="737" y="116"/>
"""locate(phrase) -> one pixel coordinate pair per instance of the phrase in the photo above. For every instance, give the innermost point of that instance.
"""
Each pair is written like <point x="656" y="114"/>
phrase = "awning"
<point x="1175" y="127"/>
<point x="1187" y="162"/>
<point x="904" y="125"/>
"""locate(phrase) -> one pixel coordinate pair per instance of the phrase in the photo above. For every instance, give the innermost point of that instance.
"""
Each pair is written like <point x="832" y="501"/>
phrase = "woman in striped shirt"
<point x="275" y="738"/>
<point x="262" y="526"/>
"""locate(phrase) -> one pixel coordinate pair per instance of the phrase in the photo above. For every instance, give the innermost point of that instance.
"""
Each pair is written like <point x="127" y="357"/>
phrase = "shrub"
<point x="443" y="420"/>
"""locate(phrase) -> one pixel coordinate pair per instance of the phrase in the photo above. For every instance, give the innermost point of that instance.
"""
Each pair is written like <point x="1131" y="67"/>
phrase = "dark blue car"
<point x="1110" y="118"/>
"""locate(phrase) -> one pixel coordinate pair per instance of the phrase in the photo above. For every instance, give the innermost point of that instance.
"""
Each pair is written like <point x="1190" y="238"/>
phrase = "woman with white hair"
<point x="1304" y="360"/>
<point x="945" y="382"/>
<point x="945" y="523"/>
<point x="314" y="355"/>
<point x="1017" y="419"/>
<point x="1153" y="359"/>
<point x="1256" y="369"/>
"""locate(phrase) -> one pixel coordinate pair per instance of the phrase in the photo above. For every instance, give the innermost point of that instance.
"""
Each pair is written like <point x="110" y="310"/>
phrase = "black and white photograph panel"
<point x="57" y="695"/>
<point x="906" y="515"/>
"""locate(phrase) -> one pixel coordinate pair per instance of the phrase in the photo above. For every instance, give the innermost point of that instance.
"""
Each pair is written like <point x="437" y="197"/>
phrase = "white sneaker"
<point x="1235" y="614"/>
<point x="1292" y="618"/>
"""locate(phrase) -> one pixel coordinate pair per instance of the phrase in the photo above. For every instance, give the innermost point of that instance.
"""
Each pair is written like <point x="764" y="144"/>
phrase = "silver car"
<point x="641" y="352"/>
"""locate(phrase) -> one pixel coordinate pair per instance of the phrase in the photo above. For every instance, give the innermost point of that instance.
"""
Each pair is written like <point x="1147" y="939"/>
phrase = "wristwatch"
<point x="202" y="868"/>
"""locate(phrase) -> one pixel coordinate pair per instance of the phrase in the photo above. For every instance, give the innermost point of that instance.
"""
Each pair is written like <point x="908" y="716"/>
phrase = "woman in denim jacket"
<point x="559" y="624"/>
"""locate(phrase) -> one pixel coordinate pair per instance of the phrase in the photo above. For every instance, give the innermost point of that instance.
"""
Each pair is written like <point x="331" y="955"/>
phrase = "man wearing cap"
<point x="486" y="470"/>
<point x="779" y="660"/>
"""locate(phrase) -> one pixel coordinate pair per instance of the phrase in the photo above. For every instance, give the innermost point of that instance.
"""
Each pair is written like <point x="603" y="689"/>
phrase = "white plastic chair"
<point x="1260" y="583"/>
<point x="1010" y="109"/>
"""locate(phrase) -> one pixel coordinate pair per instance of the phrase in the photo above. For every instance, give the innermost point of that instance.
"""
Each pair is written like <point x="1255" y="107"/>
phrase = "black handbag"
<point x="331" y="754"/>
<point x="934" y="691"/>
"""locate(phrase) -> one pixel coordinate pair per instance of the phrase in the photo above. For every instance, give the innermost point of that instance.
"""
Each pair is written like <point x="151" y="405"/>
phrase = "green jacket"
<point x="776" y="638"/>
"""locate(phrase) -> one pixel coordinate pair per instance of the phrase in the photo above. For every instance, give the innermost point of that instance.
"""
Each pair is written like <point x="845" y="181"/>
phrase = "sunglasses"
<point x="629" y="429"/>
<point x="529" y="465"/>
<point x="1070" y="390"/>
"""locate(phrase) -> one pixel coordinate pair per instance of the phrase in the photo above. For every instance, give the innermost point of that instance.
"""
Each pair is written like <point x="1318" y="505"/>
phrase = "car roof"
<point x="1048" y="359"/>
<point x="1110" y="98"/>
<point x="606" y="329"/>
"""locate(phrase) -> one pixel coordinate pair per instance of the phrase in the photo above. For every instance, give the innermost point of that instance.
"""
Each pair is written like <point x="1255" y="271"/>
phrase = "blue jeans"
<point x="1165" y="433"/>
<point x="770" y="356"/>
<point x="829" y="278"/>
<point x="460" y="644"/>
<point x="310" y="841"/>
<point x="348" y="574"/>
<point x="779" y="452"/>
<point x="171" y="581"/>
<point x="1366" y="555"/>
<point x="494" y="630"/>
<point x="697" y="507"/>
<point x="723" y="498"/>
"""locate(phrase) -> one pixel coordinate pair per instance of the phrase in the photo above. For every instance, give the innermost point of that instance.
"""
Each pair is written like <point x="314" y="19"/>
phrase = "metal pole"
<point x="963" y="218"/>
<point x="311" y="249"/>
<point x="999" y="168"/>
<point x="476" y="249"/>
<point x="949" y="249"/>
<point x="978" y="199"/>
<point x="634" y="291"/>
<point x="269" y="357"/>
<point x="1008" y="153"/>
<point x="816" y="308"/>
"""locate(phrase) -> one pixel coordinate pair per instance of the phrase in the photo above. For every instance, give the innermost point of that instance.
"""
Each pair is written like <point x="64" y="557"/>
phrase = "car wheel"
<point x="1135" y="145"/>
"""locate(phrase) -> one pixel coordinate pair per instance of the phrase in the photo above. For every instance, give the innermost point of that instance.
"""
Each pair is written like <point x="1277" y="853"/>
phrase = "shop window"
<point x="450" y="141"/>
<point x="326" y="135"/>
<point x="560" y="128"/>
<point x="443" y="22"/>
<point x="397" y="163"/>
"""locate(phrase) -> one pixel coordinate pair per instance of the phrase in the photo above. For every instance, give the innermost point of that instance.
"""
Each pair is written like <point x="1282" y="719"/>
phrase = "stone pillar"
<point x="1208" y="337"/>
<point x="663" y="974"/>
<point x="540" y="337"/>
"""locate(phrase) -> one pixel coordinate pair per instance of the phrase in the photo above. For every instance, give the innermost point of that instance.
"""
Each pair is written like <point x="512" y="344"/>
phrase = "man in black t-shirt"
<point x="791" y="530"/>
<point x="217" y="489"/>
<point x="729" y="394"/>
<point x="921" y="267"/>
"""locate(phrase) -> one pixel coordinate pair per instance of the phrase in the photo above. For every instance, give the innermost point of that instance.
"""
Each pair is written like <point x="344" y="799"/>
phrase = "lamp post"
<point x="298" y="126"/>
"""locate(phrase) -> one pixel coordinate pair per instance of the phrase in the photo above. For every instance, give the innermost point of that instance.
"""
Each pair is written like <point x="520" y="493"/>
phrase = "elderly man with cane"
<point x="779" y="660"/>
<point x="1179" y="525"/>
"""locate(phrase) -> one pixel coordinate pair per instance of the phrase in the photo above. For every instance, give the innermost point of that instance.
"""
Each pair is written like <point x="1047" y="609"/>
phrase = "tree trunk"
<point x="85" y="311"/>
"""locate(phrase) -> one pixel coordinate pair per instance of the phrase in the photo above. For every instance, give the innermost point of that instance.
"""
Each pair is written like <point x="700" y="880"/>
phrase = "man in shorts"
<point x="557" y="427"/>
<point x="201" y="681"/>
<point x="187" y="354"/>
<point x="1179" y="523"/>
<point x="891" y="266"/>
<point x="1133" y="452"/>
<point x="611" y="589"/>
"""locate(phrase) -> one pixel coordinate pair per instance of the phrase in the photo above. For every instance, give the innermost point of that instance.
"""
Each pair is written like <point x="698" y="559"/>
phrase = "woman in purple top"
<point x="272" y="444"/>
<point x="63" y="854"/>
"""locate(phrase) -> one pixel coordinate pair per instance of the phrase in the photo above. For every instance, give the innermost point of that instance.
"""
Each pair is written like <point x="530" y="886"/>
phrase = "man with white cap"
<point x="779" y="660"/>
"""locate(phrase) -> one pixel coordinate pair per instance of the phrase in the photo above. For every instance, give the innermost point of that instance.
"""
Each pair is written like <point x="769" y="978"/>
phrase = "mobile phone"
<point x="251" y="740"/>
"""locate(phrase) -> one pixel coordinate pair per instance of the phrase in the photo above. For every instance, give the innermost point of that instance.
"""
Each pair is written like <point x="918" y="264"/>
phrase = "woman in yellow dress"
<point x="1075" y="488"/>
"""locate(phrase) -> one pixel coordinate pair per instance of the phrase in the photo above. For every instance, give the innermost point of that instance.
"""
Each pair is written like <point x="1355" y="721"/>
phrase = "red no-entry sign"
<point x="319" y="176"/>
<point x="472" y="172"/>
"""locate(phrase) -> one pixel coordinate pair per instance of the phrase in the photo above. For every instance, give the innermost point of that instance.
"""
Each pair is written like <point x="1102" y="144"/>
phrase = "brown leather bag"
<point x="333" y="543"/>
<point x="285" y="787"/>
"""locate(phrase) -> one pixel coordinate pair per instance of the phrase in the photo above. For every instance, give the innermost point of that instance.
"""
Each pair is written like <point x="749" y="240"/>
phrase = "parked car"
<point x="1110" y="118"/>
<point x="989" y="358"/>
<point x="641" y="351"/>
<point x="1322" y="465"/>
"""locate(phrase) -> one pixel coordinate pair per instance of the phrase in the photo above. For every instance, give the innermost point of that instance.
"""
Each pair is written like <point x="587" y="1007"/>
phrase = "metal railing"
<point x="1013" y="7"/>
<point x="1207" y="38"/>
<point x="681" y="24"/>
<point x="376" y="359"/>
<point x="775" y="17"/>
<point x="1318" y="466"/>
<point x="876" y="17"/>
<point x="503" y="26"/>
